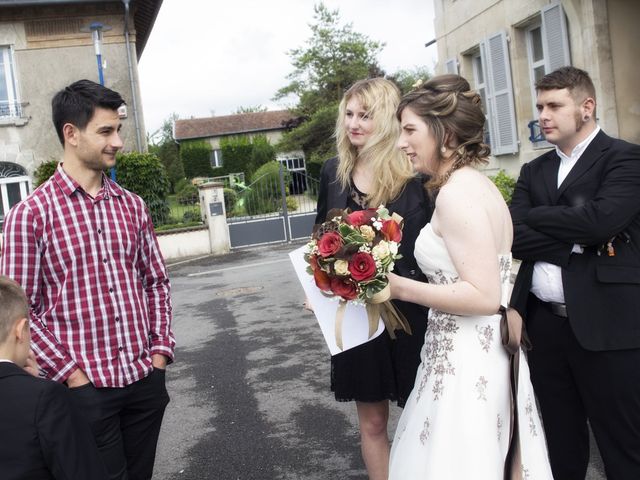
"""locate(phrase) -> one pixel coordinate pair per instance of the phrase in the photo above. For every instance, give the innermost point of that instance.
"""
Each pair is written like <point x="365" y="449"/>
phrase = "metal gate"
<point x="274" y="209"/>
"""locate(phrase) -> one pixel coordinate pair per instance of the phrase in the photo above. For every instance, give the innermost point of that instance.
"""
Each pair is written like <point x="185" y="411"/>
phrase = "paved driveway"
<point x="250" y="386"/>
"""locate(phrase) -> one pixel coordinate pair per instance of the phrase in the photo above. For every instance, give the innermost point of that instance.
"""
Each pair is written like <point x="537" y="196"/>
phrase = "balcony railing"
<point x="535" y="133"/>
<point x="11" y="109"/>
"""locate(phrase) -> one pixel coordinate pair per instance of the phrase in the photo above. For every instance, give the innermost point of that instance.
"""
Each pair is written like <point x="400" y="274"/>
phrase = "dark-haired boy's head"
<point x="77" y="103"/>
<point x="15" y="338"/>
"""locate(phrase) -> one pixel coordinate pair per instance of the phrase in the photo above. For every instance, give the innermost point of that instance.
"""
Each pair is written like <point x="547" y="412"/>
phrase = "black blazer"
<point x="600" y="198"/>
<point x="42" y="436"/>
<point x="415" y="207"/>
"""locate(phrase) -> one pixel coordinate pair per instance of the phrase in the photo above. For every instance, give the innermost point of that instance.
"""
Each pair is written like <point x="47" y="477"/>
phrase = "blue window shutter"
<point x="555" y="37"/>
<point x="504" y="136"/>
<point x="452" y="66"/>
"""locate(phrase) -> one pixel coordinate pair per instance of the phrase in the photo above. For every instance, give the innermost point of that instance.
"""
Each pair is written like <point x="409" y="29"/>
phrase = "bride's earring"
<point x="443" y="149"/>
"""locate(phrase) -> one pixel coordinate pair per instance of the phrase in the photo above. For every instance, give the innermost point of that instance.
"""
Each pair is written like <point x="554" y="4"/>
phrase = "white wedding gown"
<point x="455" y="425"/>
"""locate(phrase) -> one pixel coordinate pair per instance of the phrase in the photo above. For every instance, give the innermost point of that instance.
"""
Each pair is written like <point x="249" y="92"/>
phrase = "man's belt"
<point x="559" y="309"/>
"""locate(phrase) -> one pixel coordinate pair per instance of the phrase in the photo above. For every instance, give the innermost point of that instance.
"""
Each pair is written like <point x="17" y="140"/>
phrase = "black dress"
<point x="381" y="369"/>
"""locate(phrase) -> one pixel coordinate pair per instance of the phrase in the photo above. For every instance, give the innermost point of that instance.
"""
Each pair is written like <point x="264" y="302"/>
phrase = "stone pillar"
<point x="212" y="207"/>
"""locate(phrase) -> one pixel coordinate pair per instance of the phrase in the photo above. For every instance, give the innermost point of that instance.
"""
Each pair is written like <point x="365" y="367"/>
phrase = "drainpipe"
<point x="131" y="78"/>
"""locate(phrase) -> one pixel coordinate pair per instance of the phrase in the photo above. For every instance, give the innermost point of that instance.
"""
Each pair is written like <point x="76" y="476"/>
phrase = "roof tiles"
<point x="232" y="124"/>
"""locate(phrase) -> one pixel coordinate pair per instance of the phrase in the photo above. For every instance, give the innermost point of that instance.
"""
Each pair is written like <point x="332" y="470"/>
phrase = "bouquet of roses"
<point x="349" y="257"/>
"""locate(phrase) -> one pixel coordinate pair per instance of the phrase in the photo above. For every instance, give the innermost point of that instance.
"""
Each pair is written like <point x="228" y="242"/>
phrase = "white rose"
<point x="341" y="267"/>
<point x="393" y="248"/>
<point x="367" y="232"/>
<point x="381" y="250"/>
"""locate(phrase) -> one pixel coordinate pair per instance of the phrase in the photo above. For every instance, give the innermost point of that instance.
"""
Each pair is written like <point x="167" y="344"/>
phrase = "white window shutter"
<point x="504" y="136"/>
<point x="555" y="37"/>
<point x="452" y="66"/>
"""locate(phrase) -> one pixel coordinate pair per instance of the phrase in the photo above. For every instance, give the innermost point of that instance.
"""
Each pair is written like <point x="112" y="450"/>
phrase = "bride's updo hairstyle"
<point x="453" y="112"/>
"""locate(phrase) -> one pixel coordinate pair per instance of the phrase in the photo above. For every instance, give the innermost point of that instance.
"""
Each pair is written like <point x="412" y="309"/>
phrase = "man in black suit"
<point x="41" y="436"/>
<point x="576" y="216"/>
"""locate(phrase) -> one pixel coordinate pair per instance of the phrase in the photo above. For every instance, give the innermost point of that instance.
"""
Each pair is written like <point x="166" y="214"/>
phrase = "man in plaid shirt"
<point x="84" y="250"/>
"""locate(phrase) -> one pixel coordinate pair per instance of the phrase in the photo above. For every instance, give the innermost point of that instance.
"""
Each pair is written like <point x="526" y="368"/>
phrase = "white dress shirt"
<point x="546" y="283"/>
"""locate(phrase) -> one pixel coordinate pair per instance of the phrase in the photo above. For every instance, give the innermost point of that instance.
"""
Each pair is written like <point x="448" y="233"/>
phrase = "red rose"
<point x="329" y="244"/>
<point x="361" y="217"/>
<point x="323" y="282"/>
<point x="362" y="266"/>
<point x="344" y="288"/>
<point x="391" y="230"/>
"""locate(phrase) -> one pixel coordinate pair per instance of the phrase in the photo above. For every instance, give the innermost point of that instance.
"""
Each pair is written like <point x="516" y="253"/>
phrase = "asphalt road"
<point x="249" y="389"/>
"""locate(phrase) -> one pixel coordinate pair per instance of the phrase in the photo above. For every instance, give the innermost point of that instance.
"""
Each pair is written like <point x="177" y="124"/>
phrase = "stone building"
<point x="504" y="46"/>
<point x="48" y="44"/>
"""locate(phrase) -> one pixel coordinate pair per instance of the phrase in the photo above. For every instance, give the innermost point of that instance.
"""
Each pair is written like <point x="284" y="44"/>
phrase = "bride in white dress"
<point x="455" y="425"/>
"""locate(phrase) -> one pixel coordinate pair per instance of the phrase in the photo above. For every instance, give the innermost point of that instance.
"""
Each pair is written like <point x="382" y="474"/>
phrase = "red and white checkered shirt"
<point x="95" y="277"/>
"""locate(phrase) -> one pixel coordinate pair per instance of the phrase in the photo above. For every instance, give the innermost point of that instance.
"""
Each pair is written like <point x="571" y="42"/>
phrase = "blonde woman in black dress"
<point x="370" y="171"/>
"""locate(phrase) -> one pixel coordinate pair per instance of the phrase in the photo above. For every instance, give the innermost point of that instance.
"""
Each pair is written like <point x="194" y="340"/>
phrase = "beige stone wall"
<point x="47" y="58"/>
<point x="604" y="40"/>
<point x="625" y="45"/>
<point x="466" y="23"/>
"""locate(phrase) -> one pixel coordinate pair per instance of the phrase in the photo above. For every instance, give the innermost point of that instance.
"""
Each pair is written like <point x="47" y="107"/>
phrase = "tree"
<point x="167" y="151"/>
<point x="250" y="109"/>
<point x="409" y="79"/>
<point x="315" y="136"/>
<point x="333" y="59"/>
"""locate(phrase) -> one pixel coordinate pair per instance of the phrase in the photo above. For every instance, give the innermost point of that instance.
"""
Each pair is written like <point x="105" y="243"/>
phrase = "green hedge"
<point x="236" y="155"/>
<point x="44" y="171"/>
<point x="144" y="174"/>
<point x="196" y="158"/>
<point x="506" y="184"/>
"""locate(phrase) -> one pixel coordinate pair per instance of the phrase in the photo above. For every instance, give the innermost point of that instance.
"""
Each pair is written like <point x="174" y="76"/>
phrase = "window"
<point x="481" y="87"/>
<point x="492" y="74"/>
<point x="451" y="66"/>
<point x="216" y="158"/>
<point x="547" y="50"/>
<point x="536" y="53"/>
<point x="14" y="186"/>
<point x="293" y="164"/>
<point x="9" y="103"/>
<point x="547" y="44"/>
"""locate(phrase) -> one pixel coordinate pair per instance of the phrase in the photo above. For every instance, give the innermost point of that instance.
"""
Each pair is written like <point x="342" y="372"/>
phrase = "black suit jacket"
<point x="41" y="436"/>
<point x="600" y="198"/>
<point x="413" y="204"/>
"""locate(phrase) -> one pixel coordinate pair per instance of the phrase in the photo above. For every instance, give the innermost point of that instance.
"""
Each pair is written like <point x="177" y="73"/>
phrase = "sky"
<point x="208" y="57"/>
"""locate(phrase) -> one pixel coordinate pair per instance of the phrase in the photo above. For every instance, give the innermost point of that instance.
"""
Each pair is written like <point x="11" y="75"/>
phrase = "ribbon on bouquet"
<point x="379" y="307"/>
